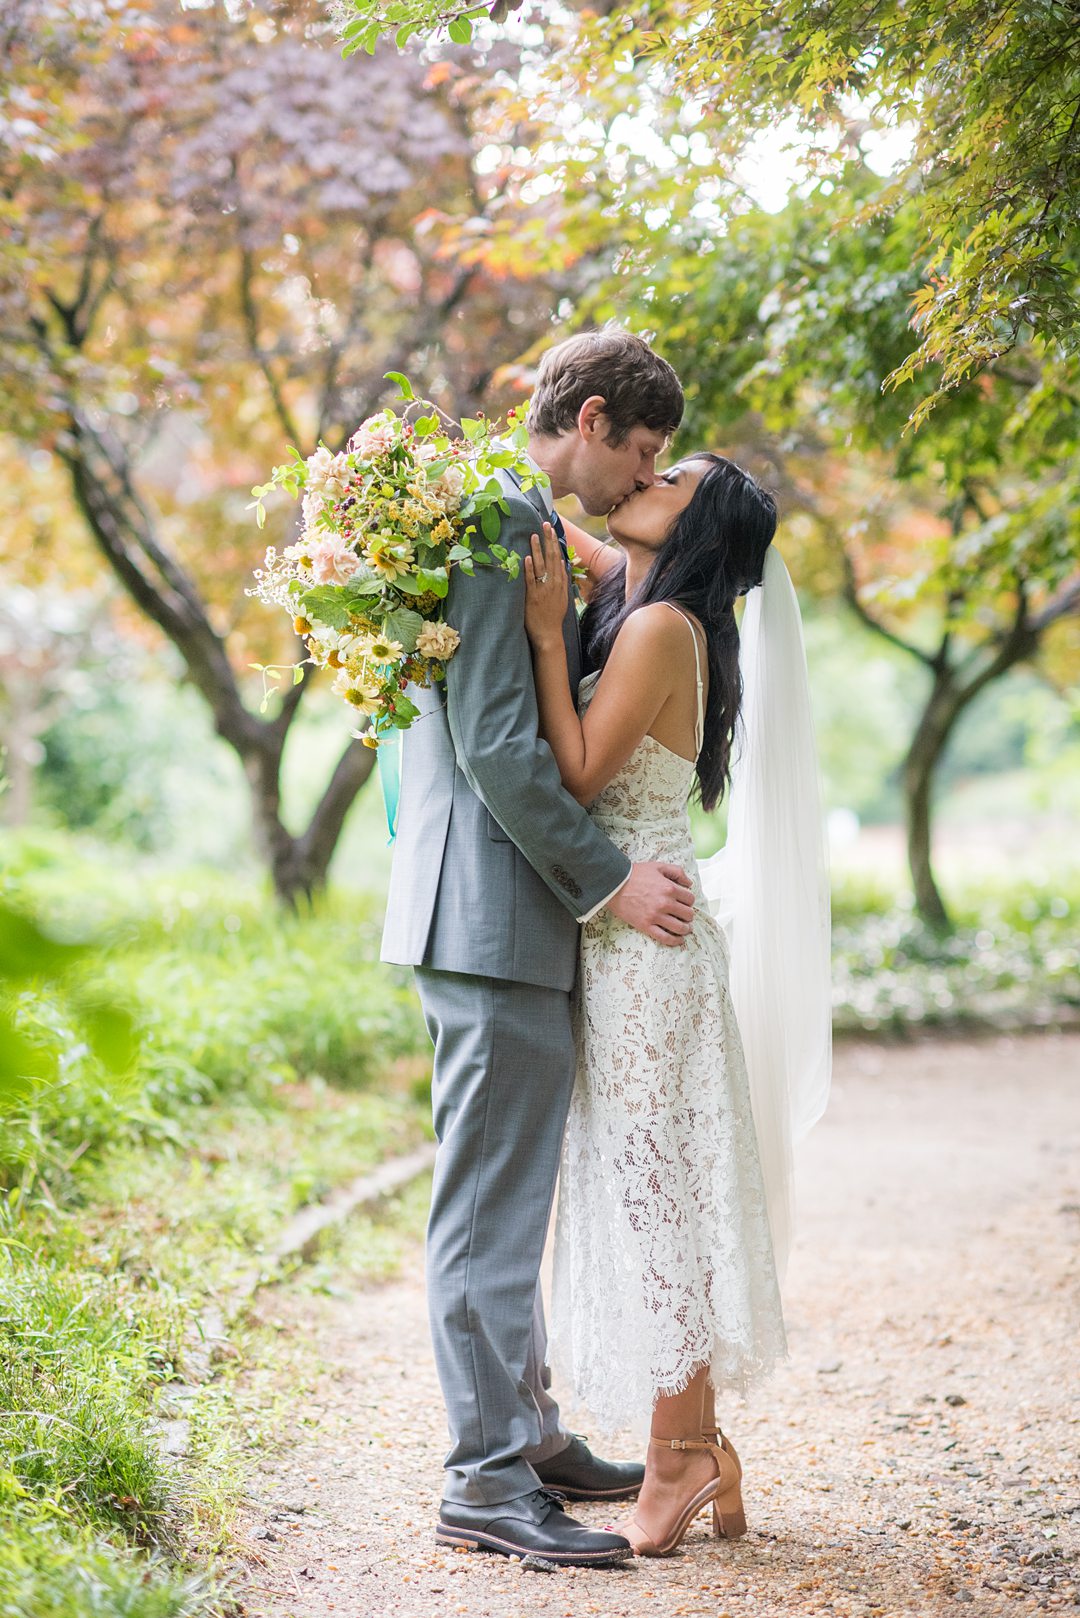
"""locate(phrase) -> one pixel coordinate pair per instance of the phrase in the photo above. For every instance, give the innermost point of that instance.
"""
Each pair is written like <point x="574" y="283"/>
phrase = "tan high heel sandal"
<point x="723" y="1493"/>
<point x="729" y="1518"/>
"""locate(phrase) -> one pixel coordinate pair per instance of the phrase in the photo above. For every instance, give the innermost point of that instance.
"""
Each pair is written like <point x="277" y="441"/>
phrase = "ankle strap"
<point x="682" y="1443"/>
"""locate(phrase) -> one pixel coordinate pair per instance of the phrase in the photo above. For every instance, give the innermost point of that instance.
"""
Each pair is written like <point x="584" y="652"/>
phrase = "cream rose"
<point x="438" y="641"/>
<point x="332" y="560"/>
<point x="327" y="475"/>
<point x="374" y="436"/>
<point x="448" y="489"/>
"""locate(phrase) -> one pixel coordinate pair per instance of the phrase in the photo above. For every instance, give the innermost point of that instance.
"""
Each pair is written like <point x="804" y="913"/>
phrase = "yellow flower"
<point x="390" y="560"/>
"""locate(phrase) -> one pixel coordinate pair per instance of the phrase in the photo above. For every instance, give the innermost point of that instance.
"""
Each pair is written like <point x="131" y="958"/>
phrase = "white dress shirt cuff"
<point x="596" y="908"/>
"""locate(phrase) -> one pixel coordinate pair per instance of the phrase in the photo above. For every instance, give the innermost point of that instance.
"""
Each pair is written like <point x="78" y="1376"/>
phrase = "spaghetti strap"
<point x="699" y="728"/>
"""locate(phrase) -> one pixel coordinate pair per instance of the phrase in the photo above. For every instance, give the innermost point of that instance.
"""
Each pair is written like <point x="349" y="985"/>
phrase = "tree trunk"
<point x="299" y="865"/>
<point x="950" y="694"/>
<point x="927" y="746"/>
<point x="124" y="531"/>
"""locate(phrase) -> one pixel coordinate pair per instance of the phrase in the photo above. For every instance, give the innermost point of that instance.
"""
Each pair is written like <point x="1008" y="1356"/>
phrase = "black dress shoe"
<point x="534" y="1525"/>
<point x="580" y="1475"/>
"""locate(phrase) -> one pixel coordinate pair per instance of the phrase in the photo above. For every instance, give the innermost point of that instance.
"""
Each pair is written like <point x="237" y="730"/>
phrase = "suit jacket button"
<point x="565" y="880"/>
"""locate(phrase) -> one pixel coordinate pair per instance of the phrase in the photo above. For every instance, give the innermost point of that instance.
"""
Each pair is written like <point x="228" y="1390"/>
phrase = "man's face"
<point x="604" y="473"/>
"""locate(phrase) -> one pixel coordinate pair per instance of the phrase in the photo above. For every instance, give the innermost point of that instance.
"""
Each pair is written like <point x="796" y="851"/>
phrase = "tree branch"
<point x="258" y="354"/>
<point x="1063" y="604"/>
<point x="161" y="589"/>
<point x="353" y="768"/>
<point x="851" y="596"/>
<point x="1013" y="645"/>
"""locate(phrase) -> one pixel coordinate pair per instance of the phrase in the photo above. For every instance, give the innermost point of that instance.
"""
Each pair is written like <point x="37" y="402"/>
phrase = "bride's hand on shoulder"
<point x="546" y="590"/>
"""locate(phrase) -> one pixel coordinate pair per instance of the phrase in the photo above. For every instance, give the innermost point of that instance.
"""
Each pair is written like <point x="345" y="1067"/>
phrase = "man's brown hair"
<point x="638" y="388"/>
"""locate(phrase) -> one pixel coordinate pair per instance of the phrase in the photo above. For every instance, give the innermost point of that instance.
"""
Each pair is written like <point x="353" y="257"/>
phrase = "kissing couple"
<point x="597" y="1000"/>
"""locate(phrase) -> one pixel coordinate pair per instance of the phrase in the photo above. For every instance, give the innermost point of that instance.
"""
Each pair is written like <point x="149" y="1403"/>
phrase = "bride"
<point x="675" y="1196"/>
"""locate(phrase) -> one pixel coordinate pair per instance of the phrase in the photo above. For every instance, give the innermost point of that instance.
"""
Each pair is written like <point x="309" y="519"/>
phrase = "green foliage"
<point x="73" y="1377"/>
<point x="230" y="996"/>
<point x="89" y="1510"/>
<point x="31" y="961"/>
<point x="121" y="765"/>
<point x="989" y="103"/>
<point x="48" y="1572"/>
<point x="1012" y="961"/>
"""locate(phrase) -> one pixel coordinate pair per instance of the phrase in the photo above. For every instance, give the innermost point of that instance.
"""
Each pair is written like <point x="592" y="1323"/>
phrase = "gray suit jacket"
<point x="494" y="861"/>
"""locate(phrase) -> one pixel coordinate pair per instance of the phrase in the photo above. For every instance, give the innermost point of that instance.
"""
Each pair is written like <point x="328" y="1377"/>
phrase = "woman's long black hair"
<point x="714" y="552"/>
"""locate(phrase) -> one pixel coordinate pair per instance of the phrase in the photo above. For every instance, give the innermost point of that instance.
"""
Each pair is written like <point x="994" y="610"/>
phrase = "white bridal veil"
<point x="769" y="888"/>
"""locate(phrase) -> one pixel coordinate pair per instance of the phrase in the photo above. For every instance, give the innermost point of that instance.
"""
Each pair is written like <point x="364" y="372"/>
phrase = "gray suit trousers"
<point x="504" y="1071"/>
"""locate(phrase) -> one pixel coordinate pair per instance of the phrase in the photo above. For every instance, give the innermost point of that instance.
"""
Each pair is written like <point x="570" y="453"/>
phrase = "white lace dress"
<point x="663" y="1258"/>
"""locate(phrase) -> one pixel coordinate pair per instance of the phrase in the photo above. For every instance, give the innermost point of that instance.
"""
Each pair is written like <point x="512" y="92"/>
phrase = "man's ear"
<point x="591" y="421"/>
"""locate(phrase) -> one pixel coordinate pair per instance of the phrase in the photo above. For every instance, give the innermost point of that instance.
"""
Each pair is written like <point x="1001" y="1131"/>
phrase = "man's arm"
<point x="491" y="707"/>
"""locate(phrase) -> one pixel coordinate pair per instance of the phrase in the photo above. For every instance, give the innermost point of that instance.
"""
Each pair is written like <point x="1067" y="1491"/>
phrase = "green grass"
<point x="233" y="998"/>
<point x="277" y="1059"/>
<point x="48" y="1569"/>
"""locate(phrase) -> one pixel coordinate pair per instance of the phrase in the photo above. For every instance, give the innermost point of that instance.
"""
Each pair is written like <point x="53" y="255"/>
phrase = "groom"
<point x="495" y="866"/>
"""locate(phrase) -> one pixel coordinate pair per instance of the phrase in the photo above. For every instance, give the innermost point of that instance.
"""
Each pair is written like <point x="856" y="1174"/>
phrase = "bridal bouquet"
<point x="383" y="523"/>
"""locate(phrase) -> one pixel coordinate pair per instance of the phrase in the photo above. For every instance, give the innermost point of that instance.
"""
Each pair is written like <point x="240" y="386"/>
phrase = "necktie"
<point x="560" y="532"/>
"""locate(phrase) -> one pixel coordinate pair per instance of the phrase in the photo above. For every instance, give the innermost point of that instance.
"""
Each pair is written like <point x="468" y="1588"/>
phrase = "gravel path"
<point x="917" y="1454"/>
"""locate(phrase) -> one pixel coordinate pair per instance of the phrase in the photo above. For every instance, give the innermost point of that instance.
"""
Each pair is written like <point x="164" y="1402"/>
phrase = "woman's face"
<point x="645" y="518"/>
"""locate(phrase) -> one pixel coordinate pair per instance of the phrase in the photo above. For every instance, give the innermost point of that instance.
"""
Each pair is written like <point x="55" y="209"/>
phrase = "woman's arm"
<point x="597" y="554"/>
<point x="638" y="679"/>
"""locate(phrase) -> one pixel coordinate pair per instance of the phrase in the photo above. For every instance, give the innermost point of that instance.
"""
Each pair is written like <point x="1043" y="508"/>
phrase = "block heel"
<point x="729" y="1518"/>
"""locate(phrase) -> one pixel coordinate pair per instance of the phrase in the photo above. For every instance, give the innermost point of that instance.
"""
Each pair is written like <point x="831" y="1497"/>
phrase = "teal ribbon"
<point x="389" y="762"/>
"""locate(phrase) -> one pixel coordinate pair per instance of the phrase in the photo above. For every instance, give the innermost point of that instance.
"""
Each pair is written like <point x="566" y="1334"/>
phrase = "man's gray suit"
<point x="494" y="863"/>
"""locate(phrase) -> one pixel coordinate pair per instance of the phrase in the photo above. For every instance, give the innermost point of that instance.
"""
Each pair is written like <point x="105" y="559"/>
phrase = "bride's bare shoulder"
<point x="653" y="627"/>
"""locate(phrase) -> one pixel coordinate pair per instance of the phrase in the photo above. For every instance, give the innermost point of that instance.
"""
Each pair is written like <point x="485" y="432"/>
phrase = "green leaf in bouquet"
<point x="365" y="582"/>
<point x="402" y="381"/>
<point x="435" y="469"/>
<point x="404" y="625"/>
<point x="435" y="579"/>
<point x="424" y="426"/>
<point x="457" y="553"/>
<point x="490" y="522"/>
<point x="404" y="711"/>
<point x="472" y="428"/>
<point x="409" y="584"/>
<point x="327" y="604"/>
